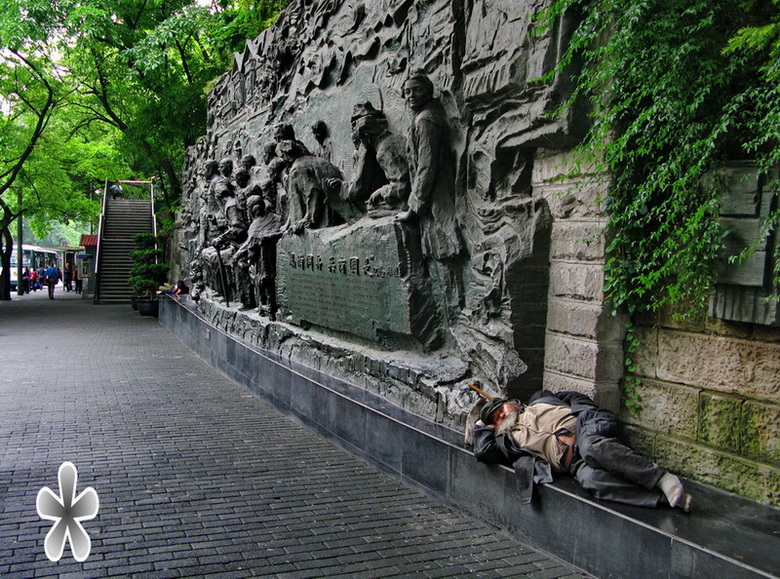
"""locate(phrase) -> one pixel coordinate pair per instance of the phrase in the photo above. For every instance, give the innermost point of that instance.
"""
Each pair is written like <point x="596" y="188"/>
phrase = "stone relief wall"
<point x="297" y="234"/>
<point x="406" y="231"/>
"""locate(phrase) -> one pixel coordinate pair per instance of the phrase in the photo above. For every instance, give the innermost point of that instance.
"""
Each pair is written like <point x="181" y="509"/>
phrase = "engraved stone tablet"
<point x="364" y="279"/>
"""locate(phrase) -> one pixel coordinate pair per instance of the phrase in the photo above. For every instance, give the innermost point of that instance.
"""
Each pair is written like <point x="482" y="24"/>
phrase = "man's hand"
<point x="300" y="226"/>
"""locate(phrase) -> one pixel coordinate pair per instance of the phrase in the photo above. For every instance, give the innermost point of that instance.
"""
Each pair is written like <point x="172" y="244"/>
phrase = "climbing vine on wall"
<point x="675" y="87"/>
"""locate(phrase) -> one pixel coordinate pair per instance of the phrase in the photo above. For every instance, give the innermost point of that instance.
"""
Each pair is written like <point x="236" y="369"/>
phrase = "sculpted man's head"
<point x="418" y="90"/>
<point x="226" y="167"/>
<point x="248" y="161"/>
<point x="269" y="152"/>
<point x="289" y="150"/>
<point x="210" y="168"/>
<point x="242" y="177"/>
<point x="284" y="132"/>
<point x="367" y="121"/>
<point x="320" y="131"/>
<point x="255" y="204"/>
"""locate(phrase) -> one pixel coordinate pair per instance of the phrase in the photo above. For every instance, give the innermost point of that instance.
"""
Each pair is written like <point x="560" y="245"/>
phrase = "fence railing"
<point x="100" y="238"/>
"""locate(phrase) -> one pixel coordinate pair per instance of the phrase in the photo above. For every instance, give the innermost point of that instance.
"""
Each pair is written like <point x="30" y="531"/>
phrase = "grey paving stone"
<point x="195" y="475"/>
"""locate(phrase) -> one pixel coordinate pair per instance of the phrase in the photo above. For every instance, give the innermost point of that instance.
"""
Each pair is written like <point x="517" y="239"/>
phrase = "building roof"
<point x="89" y="240"/>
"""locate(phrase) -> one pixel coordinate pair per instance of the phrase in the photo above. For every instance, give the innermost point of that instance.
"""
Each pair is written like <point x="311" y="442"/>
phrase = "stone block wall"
<point x="711" y="403"/>
<point x="583" y="342"/>
<point x="710" y="389"/>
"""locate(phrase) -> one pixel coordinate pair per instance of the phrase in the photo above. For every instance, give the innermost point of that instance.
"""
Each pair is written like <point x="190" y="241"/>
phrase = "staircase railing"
<point x="151" y="207"/>
<point x="100" y="240"/>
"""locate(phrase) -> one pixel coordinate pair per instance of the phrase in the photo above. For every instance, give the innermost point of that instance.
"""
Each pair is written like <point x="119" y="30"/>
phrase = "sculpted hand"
<point x="405" y="216"/>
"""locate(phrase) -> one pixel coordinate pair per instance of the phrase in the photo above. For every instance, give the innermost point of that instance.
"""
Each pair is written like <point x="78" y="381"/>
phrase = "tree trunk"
<point x="6" y="247"/>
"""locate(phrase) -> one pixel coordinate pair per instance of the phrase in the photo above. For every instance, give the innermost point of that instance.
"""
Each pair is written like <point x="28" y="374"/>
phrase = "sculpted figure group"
<point x="244" y="214"/>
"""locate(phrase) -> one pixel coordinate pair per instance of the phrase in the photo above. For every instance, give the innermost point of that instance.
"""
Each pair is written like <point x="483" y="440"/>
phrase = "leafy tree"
<point x="30" y="89"/>
<point x="125" y="81"/>
<point x="143" y="67"/>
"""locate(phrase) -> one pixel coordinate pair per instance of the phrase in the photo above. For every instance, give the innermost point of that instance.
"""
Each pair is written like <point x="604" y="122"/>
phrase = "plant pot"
<point x="148" y="307"/>
<point x="134" y="303"/>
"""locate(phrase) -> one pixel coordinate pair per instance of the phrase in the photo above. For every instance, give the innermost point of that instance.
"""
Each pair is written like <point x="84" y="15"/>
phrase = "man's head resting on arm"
<point x="496" y="410"/>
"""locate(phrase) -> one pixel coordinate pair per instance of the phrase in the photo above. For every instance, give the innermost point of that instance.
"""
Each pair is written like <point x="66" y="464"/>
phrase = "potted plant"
<point x="146" y="274"/>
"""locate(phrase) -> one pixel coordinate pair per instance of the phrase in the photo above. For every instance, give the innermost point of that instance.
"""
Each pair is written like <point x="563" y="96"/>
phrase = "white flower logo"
<point x="67" y="511"/>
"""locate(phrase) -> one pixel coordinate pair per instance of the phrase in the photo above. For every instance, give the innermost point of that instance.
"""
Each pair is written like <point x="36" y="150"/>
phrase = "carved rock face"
<point x="449" y="150"/>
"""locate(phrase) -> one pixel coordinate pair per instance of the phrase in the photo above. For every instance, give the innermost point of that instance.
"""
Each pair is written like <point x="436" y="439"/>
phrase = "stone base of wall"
<point x="432" y="385"/>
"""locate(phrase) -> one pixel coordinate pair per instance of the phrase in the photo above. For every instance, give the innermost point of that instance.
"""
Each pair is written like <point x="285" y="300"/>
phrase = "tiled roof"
<point x="89" y="240"/>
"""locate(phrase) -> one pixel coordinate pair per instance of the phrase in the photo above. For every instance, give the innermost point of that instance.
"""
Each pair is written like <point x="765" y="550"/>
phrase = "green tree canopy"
<point x="112" y="89"/>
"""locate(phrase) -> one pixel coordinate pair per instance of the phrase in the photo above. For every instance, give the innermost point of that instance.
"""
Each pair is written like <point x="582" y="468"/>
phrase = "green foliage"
<point x="144" y="286"/>
<point x="146" y="275"/>
<point x="676" y="88"/>
<point x="146" y="256"/>
<point x="243" y="19"/>
<point x="144" y="241"/>
<point x="631" y="382"/>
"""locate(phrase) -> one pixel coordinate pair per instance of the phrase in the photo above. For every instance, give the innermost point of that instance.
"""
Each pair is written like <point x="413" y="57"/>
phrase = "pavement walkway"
<point x="195" y="476"/>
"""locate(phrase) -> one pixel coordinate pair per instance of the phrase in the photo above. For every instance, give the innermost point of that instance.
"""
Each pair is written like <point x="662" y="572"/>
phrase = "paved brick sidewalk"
<point x="196" y="476"/>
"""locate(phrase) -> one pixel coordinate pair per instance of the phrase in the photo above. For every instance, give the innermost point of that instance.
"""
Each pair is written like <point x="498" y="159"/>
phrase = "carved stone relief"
<point x="381" y="183"/>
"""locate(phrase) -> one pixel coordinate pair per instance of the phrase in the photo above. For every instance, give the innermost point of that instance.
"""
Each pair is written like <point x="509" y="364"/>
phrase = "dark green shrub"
<point x="146" y="275"/>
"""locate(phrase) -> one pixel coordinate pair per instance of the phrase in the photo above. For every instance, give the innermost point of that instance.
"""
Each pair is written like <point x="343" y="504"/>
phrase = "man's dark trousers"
<point x="609" y="469"/>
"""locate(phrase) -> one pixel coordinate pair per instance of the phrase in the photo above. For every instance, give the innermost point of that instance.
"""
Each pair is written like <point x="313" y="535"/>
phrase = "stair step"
<point x="123" y="218"/>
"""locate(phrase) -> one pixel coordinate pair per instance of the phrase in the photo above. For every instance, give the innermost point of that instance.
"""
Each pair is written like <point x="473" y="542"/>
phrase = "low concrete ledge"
<point x="725" y="536"/>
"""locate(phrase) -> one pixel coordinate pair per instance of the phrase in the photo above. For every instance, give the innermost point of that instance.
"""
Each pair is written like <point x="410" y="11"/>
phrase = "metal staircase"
<point x="121" y="219"/>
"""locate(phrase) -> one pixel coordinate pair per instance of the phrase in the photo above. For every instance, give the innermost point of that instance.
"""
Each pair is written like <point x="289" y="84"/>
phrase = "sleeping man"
<point x="569" y="433"/>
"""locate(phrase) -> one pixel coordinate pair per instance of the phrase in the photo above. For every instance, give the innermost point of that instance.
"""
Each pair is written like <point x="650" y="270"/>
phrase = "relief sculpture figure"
<point x="313" y="200"/>
<point x="208" y="205"/>
<point x="432" y="199"/>
<point x="380" y="182"/>
<point x="257" y="255"/>
<point x="242" y="186"/>
<point x="273" y="181"/>
<point x="227" y="230"/>
<point x="321" y="135"/>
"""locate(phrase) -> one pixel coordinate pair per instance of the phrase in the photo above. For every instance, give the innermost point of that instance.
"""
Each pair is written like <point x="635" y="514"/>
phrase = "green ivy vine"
<point x="675" y="88"/>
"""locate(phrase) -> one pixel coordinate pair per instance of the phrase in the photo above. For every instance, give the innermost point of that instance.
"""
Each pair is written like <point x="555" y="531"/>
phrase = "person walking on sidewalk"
<point x="67" y="277"/>
<point x="52" y="277"/>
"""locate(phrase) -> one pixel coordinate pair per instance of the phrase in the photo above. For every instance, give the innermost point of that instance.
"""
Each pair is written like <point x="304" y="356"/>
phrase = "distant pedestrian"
<point x="77" y="279"/>
<point x="52" y="277"/>
<point x="34" y="280"/>
<point x="67" y="277"/>
<point x="26" y="280"/>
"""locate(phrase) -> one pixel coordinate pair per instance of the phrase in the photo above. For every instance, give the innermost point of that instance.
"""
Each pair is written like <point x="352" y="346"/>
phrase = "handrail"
<point x="100" y="237"/>
<point x="151" y="206"/>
